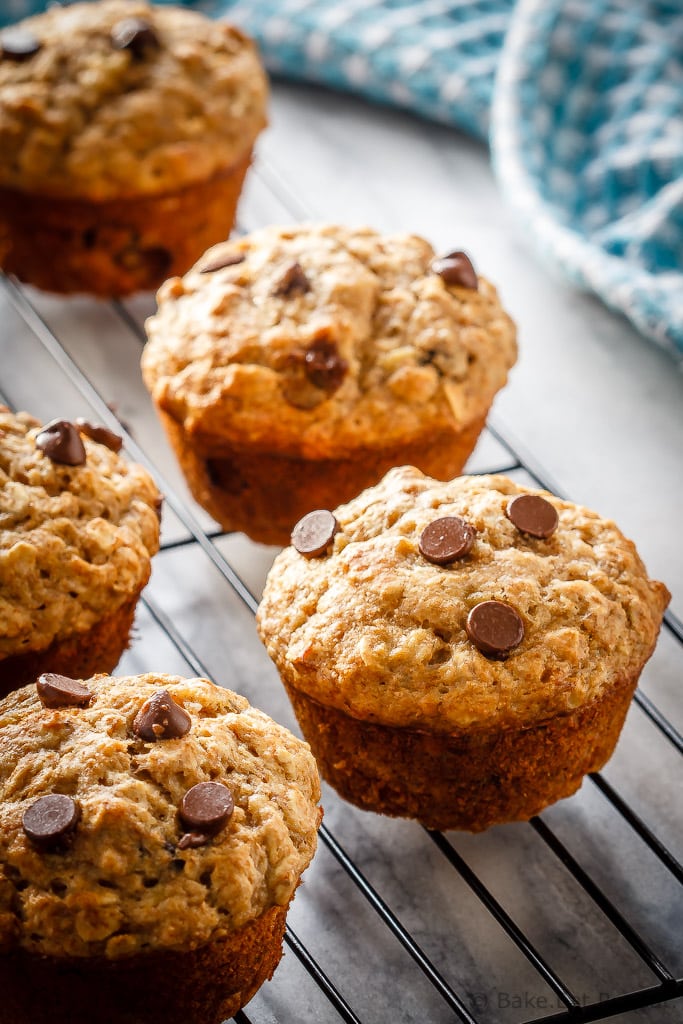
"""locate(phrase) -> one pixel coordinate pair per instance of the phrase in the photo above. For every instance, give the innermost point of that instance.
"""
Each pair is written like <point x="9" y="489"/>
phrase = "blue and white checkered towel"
<point x="582" y="99"/>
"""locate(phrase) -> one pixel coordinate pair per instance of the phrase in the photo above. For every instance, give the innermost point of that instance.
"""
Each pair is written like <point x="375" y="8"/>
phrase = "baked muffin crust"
<point x="315" y="340"/>
<point x="84" y="118"/>
<point x="396" y="622"/>
<point x="123" y="886"/>
<point x="75" y="541"/>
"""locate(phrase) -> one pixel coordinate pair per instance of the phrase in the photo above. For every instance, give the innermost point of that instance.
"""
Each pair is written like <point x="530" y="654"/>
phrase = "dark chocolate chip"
<point x="313" y="534"/>
<point x="50" y="819"/>
<point x="206" y="807"/>
<point x="447" y="539"/>
<point x="62" y="692"/>
<point x="323" y="365"/>
<point x="136" y="35"/>
<point x="160" y="718"/>
<point x="61" y="442"/>
<point x="456" y="268"/>
<point x="18" y="44"/>
<point x="103" y="435"/>
<point x="532" y="514"/>
<point x="292" y="282"/>
<point x="230" y="259"/>
<point x="495" y="628"/>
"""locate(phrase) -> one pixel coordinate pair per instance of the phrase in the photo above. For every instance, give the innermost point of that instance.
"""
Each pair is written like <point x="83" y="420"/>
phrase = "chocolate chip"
<point x="532" y="514"/>
<point x="101" y="434"/>
<point x="292" y="282"/>
<point x="136" y="35"/>
<point x="206" y="807"/>
<point x="62" y="443"/>
<point x="50" y="819"/>
<point x="323" y="365"/>
<point x="447" y="539"/>
<point x="495" y="628"/>
<point x="62" y="692"/>
<point x="158" y="505"/>
<point x="218" y="262"/>
<point x="160" y="718"/>
<point x="456" y="268"/>
<point x="18" y="44"/>
<point x="313" y="534"/>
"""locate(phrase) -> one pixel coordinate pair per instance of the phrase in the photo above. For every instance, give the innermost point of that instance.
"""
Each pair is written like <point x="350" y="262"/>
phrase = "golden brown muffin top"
<point x="96" y="114"/>
<point x="122" y="880"/>
<point x="75" y="540"/>
<point x="320" y="339"/>
<point x="374" y="628"/>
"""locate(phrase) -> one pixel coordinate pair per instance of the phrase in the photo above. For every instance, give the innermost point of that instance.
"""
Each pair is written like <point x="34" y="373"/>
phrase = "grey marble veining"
<point x="601" y="410"/>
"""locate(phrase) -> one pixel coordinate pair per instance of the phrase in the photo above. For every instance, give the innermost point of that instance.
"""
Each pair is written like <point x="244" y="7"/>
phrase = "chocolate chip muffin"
<point x="292" y="368"/>
<point x="153" y="831"/>
<point x="462" y="653"/>
<point x="126" y="131"/>
<point x="78" y="528"/>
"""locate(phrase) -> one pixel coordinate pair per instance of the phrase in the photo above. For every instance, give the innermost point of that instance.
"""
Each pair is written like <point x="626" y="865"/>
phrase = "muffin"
<point x="78" y="527"/>
<point x="125" y="133"/>
<point x="462" y="653"/>
<point x="294" y="367"/>
<point x="153" y="831"/>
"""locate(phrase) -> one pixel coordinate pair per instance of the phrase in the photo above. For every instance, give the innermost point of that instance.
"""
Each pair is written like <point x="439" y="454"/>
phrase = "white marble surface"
<point x="602" y="411"/>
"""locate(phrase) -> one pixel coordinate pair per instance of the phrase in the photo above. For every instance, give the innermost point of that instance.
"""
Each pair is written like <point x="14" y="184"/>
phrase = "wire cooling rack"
<point x="576" y="916"/>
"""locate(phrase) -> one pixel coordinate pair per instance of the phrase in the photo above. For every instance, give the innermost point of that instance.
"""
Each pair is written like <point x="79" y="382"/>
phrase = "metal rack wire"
<point x="458" y="1002"/>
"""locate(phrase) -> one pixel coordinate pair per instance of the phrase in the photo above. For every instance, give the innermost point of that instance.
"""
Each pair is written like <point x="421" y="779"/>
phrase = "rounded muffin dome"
<point x="293" y="367"/>
<point x="179" y="839"/>
<point x="318" y="340"/>
<point x="398" y="622"/>
<point x="123" y="98"/>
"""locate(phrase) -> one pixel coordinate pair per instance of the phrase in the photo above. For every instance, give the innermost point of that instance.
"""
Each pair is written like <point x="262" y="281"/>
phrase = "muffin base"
<point x="115" y="247"/>
<point x="265" y="495"/>
<point x="457" y="780"/>
<point x="79" y="656"/>
<point x="203" y="986"/>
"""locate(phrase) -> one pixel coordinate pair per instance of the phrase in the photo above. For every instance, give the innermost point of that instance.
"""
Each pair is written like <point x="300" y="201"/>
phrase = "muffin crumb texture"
<point x="377" y="630"/>
<point x="75" y="540"/>
<point x="122" y="882"/>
